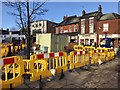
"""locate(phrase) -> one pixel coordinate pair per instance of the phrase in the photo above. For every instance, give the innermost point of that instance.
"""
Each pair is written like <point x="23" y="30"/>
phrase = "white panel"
<point x="56" y="54"/>
<point x="46" y="56"/>
<point x="78" y="52"/>
<point x="83" y="52"/>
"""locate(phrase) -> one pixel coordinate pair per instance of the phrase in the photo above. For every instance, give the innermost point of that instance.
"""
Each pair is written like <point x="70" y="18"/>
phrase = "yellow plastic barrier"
<point x="112" y="53"/>
<point x="102" y="54"/>
<point x="94" y="58"/>
<point x="89" y="48"/>
<point x="41" y="64"/>
<point x="2" y="51"/>
<point x="12" y="71"/>
<point x="78" y="59"/>
<point x="78" y="47"/>
<point x="6" y="51"/>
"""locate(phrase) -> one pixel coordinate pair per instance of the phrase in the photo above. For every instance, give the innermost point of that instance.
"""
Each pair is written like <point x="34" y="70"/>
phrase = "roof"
<point x="70" y="20"/>
<point x="92" y="14"/>
<point x="110" y="16"/>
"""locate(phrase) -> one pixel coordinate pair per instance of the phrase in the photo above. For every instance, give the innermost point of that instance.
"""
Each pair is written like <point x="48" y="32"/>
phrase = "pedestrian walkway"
<point x="104" y="76"/>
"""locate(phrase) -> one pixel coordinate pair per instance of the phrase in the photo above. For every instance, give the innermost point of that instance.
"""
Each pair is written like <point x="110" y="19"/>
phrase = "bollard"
<point x="9" y="51"/>
<point x="13" y="49"/>
<point x="18" y="48"/>
<point x="89" y="64"/>
<point x="61" y="75"/>
<point x="21" y="47"/>
<point x="11" y="86"/>
<point x="40" y="83"/>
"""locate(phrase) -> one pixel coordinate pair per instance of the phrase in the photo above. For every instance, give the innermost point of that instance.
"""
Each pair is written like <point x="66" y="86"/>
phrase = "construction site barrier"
<point x="12" y="71"/>
<point x="78" y="59"/>
<point x="78" y="47"/>
<point x="102" y="54"/>
<point x="41" y="64"/>
<point x="112" y="53"/>
<point x="6" y="49"/>
<point x="95" y="56"/>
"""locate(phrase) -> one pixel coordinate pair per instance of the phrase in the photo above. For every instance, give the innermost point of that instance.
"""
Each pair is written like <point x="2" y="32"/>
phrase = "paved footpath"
<point x="104" y="76"/>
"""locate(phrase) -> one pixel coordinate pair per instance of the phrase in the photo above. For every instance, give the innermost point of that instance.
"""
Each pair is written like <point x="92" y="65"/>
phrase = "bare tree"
<point x="26" y="12"/>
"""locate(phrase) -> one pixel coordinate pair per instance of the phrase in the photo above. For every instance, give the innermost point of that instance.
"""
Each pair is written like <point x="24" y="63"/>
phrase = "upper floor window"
<point x="105" y="27"/>
<point x="75" y="28"/>
<point x="39" y="24"/>
<point x="70" y="30"/>
<point x="91" y="25"/>
<point x="36" y="25"/>
<point x="82" y="26"/>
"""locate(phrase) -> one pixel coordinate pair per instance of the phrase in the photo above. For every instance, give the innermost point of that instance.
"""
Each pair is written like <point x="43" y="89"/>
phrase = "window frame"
<point x="91" y="25"/>
<point x="83" y="26"/>
<point x="105" y="27"/>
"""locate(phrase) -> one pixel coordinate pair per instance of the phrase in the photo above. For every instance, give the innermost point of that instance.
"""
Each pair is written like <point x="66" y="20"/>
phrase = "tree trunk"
<point x="28" y="37"/>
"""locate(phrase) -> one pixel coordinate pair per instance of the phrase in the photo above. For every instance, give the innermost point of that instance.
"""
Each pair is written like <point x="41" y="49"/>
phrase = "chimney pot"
<point x="65" y="17"/>
<point x="99" y="8"/>
<point x="83" y="12"/>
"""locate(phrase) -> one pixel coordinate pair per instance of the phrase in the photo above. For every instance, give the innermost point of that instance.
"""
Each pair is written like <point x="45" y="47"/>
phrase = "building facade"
<point x="70" y="27"/>
<point x="109" y="27"/>
<point x="42" y="26"/>
<point x="88" y="27"/>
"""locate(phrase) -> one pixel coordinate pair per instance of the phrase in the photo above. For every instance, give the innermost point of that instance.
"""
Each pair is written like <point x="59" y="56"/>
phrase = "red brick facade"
<point x="113" y="29"/>
<point x="113" y="21"/>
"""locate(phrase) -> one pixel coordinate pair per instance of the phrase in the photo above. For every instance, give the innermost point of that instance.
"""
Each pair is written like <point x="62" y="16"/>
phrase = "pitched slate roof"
<point x="110" y="16"/>
<point x="92" y="14"/>
<point x="70" y="20"/>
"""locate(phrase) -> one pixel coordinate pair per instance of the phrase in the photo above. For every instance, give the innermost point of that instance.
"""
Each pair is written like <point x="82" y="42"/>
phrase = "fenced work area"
<point x="41" y="66"/>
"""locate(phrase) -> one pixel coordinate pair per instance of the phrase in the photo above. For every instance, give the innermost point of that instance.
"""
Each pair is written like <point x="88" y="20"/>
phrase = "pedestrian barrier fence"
<point x="41" y="65"/>
<point x="94" y="58"/>
<point x="12" y="71"/>
<point x="78" y="59"/>
<point x="4" y="49"/>
<point x="78" y="47"/>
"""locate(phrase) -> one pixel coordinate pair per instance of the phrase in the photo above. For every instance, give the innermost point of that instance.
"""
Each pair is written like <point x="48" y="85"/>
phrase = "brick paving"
<point x="104" y="76"/>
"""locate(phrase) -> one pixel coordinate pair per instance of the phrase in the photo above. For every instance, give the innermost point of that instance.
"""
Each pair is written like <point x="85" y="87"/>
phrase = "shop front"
<point x="87" y="39"/>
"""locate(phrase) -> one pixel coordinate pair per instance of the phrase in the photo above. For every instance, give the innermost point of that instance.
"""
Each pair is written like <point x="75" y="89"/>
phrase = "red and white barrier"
<point x="49" y="55"/>
<point x="6" y="61"/>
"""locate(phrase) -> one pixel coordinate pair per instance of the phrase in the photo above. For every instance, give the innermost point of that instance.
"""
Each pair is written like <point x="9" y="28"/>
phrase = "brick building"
<point x="91" y="27"/>
<point x="88" y="26"/>
<point x="69" y="26"/>
<point x="109" y="27"/>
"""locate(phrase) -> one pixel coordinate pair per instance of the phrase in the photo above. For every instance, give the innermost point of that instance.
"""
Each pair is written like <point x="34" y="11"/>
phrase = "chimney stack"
<point x="65" y="17"/>
<point x="83" y="12"/>
<point x="99" y="8"/>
